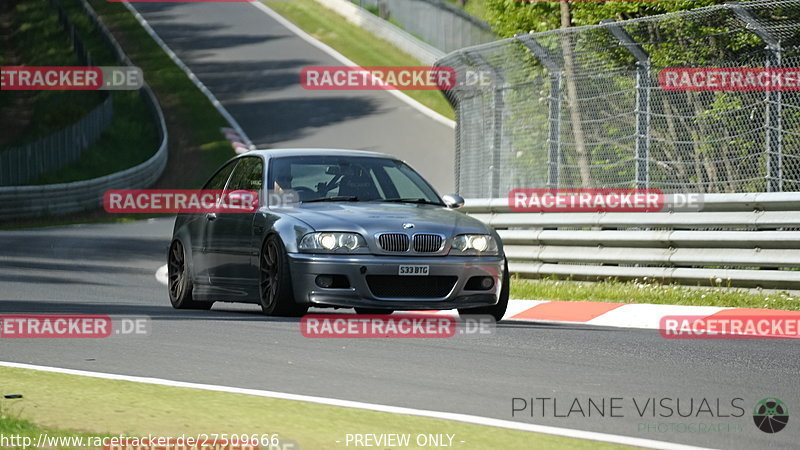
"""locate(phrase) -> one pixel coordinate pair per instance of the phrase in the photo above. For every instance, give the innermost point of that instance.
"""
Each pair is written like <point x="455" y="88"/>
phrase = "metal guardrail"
<point x="747" y="240"/>
<point x="18" y="202"/>
<point x="587" y="106"/>
<point x="57" y="199"/>
<point x="444" y="26"/>
<point x="405" y="41"/>
<point x="24" y="163"/>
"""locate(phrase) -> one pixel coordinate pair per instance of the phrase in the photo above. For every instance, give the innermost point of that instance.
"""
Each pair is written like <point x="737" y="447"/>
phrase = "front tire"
<point x="179" y="280"/>
<point x="499" y="310"/>
<point x="275" y="281"/>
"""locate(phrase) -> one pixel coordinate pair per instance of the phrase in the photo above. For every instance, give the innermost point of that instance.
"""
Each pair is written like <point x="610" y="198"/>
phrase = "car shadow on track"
<point x="227" y="311"/>
<point x="551" y="326"/>
<point x="154" y="312"/>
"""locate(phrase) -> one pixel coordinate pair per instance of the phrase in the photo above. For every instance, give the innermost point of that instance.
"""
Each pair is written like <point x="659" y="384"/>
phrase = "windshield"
<point x="349" y="178"/>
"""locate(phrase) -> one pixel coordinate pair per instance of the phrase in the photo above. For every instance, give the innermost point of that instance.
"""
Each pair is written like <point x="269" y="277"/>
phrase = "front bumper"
<point x="305" y="268"/>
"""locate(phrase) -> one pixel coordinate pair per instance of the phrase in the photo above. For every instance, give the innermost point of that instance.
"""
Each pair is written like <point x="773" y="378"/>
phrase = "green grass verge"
<point x="130" y="139"/>
<point x="40" y="40"/>
<point x="132" y="136"/>
<point x="192" y="120"/>
<point x="475" y="8"/>
<point x="355" y="43"/>
<point x="193" y="123"/>
<point x="650" y="292"/>
<point x="110" y="407"/>
<point x="19" y="430"/>
<point x="196" y="145"/>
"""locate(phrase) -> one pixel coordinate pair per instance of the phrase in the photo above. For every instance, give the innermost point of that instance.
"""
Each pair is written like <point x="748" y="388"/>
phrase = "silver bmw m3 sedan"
<point x="335" y="229"/>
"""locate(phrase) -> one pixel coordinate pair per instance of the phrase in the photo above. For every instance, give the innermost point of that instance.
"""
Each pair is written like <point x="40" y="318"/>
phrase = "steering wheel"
<point x="305" y="192"/>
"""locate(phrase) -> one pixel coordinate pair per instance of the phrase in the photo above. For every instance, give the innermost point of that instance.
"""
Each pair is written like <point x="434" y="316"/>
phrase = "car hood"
<point x="369" y="218"/>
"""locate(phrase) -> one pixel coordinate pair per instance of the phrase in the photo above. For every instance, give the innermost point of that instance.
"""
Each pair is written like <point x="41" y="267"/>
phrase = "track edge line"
<point x="464" y="418"/>
<point x="325" y="48"/>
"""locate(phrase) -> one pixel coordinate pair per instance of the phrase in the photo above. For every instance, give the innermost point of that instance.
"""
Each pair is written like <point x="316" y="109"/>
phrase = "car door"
<point x="200" y="230"/>
<point x="229" y="247"/>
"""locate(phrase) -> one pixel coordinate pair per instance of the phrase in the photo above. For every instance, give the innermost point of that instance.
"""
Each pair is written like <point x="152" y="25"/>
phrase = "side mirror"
<point x="453" y="200"/>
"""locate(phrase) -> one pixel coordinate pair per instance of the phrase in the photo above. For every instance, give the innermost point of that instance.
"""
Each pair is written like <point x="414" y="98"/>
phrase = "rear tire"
<point x="499" y="310"/>
<point x="179" y="280"/>
<point x="275" y="282"/>
<point x="373" y="311"/>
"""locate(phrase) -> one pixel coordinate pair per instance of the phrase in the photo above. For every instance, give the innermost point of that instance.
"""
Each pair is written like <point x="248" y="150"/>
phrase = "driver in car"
<point x="283" y="182"/>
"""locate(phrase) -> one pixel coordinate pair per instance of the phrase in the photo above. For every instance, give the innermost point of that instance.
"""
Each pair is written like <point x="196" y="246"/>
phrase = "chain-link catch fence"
<point x="583" y="108"/>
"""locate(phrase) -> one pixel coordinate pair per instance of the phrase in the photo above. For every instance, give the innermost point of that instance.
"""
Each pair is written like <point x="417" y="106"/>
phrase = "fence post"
<point x="457" y="100"/>
<point x="554" y="114"/>
<point x="642" y="100"/>
<point x="774" y="98"/>
<point x="498" y="106"/>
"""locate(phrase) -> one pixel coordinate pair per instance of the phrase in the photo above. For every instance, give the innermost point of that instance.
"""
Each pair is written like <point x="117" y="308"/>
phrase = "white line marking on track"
<point x="161" y="275"/>
<point x="477" y="420"/>
<point x="348" y="62"/>
<point x="648" y="316"/>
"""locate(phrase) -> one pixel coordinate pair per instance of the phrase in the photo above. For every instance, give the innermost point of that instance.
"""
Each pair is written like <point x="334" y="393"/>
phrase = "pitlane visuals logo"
<point x="771" y="415"/>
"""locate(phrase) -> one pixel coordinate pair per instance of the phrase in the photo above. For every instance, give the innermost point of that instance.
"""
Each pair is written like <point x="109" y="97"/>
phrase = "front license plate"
<point x="413" y="270"/>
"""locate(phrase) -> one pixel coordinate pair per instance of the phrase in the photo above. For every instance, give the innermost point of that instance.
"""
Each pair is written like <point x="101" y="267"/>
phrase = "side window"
<point x="249" y="174"/>
<point x="219" y="179"/>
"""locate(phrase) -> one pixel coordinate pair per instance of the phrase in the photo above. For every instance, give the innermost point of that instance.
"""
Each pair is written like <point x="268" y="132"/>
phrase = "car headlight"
<point x="474" y="244"/>
<point x="332" y="242"/>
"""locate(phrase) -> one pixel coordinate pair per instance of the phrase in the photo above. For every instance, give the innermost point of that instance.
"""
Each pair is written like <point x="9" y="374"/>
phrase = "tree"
<point x="672" y="41"/>
<point x="584" y="163"/>
<point x="510" y="17"/>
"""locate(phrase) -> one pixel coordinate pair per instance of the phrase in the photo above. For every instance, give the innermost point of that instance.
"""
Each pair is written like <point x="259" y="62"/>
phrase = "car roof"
<point x="281" y="152"/>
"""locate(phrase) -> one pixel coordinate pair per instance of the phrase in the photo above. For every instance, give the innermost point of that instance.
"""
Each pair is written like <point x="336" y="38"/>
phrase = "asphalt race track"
<point x="109" y="269"/>
<point x="251" y="64"/>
